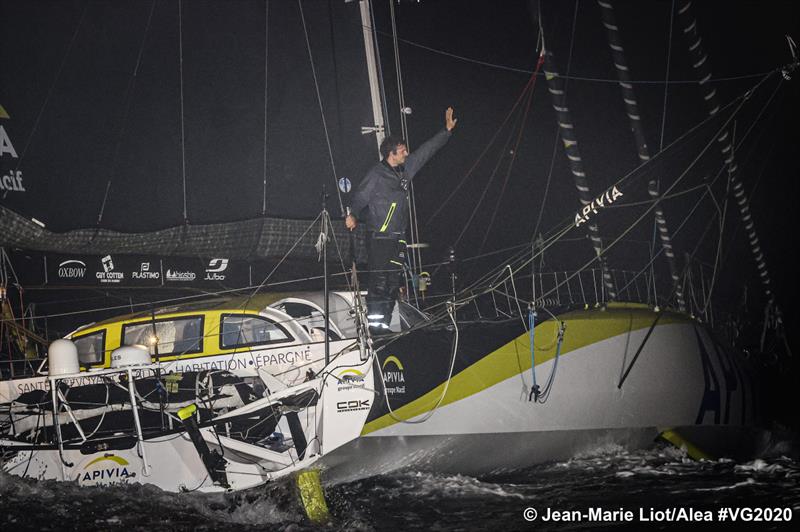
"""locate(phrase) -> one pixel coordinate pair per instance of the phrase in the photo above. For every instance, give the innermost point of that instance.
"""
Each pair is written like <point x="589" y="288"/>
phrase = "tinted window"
<point x="175" y="336"/>
<point x="91" y="348"/>
<point x="239" y="331"/>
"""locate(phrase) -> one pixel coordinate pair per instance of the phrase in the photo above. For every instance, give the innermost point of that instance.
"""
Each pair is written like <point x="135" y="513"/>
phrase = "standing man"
<point x="381" y="200"/>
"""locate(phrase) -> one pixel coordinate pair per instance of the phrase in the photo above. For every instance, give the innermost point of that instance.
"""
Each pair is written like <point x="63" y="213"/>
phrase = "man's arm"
<point x="421" y="155"/>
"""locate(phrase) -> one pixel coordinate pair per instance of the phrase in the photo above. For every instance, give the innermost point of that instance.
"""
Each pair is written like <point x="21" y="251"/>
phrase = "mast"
<point x="632" y="110"/>
<point x="372" y="72"/>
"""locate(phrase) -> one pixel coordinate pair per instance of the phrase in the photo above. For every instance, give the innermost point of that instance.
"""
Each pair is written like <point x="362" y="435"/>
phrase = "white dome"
<point x="62" y="358"/>
<point x="129" y="355"/>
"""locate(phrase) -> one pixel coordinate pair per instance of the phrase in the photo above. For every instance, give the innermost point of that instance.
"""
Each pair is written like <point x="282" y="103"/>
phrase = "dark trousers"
<point x="386" y="256"/>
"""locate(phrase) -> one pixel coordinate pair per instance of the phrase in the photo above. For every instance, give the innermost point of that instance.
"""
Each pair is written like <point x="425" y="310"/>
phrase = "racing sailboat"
<point x="510" y="370"/>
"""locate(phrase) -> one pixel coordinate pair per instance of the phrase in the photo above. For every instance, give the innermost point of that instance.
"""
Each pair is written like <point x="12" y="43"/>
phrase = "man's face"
<point x="398" y="156"/>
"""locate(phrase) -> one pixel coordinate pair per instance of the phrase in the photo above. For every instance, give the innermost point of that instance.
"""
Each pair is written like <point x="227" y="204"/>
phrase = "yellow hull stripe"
<point x="584" y="327"/>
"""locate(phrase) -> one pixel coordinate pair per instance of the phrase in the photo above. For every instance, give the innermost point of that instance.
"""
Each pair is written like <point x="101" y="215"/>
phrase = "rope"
<point x="126" y="108"/>
<point x="429" y="414"/>
<point x="531" y="326"/>
<point x="416" y="254"/>
<point x="666" y="80"/>
<point x="513" y="156"/>
<point x="183" y="134"/>
<point x="52" y="87"/>
<point x="575" y="78"/>
<point x="565" y="229"/>
<point x="548" y="387"/>
<point x="266" y="85"/>
<point x="321" y="109"/>
<point x="483" y="153"/>
<point x="374" y="34"/>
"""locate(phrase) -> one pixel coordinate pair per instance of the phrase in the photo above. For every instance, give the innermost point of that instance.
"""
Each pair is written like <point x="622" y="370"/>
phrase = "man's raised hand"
<point x="449" y="121"/>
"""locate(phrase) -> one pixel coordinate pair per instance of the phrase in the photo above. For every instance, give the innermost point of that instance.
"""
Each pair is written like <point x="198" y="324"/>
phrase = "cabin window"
<point x="245" y="330"/>
<point x="176" y="336"/>
<point x="312" y="320"/>
<point x="91" y="348"/>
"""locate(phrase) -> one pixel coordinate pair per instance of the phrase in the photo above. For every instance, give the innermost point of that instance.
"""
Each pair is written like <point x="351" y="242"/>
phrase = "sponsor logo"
<point x="12" y="181"/>
<point x="394" y="378"/>
<point x="349" y="379"/>
<point x="353" y="405"/>
<point x="108" y="275"/>
<point x="215" y="269"/>
<point x="72" y="269"/>
<point x="600" y="202"/>
<point x="5" y="142"/>
<point x="180" y="276"/>
<point x="107" y="469"/>
<point x="145" y="273"/>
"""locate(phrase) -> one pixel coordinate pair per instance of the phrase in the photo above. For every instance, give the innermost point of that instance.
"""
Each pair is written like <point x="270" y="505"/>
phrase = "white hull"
<point x="680" y="381"/>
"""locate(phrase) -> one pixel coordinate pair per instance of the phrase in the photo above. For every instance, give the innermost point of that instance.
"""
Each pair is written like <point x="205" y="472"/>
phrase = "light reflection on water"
<point x="608" y="476"/>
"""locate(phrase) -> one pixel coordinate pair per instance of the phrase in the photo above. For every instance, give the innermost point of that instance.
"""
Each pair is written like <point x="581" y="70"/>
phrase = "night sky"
<point x="93" y="94"/>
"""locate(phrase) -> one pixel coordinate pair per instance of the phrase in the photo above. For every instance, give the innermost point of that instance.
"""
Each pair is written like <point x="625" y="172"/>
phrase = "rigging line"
<point x="742" y="97"/>
<point x="399" y="74"/>
<point x="649" y="201"/>
<point x="53" y="85"/>
<point x="686" y="218"/>
<point x="722" y="217"/>
<point x="183" y="133"/>
<point x="666" y="80"/>
<point x="416" y="254"/>
<point x="339" y="253"/>
<point x="558" y="129"/>
<point x="510" y="166"/>
<point x="682" y="224"/>
<point x="751" y="194"/>
<point x="296" y="242"/>
<point x="384" y="104"/>
<point x="266" y="86"/>
<point x="678" y="230"/>
<point x="485" y="190"/>
<point x="647" y="212"/>
<point x="485" y="150"/>
<point x="126" y="108"/>
<point x="321" y="109"/>
<point x="576" y="78"/>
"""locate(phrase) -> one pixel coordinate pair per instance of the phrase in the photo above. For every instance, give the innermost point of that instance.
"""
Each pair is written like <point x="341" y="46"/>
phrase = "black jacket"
<point x="384" y="190"/>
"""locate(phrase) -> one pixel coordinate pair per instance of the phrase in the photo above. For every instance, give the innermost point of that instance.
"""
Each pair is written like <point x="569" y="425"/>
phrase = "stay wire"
<point x="416" y="253"/>
<point x="126" y="108"/>
<point x="666" y="81"/>
<point x="266" y="87"/>
<point x="483" y="153"/>
<point x="321" y="108"/>
<point x="514" y="152"/>
<point x="183" y="131"/>
<point x="673" y="185"/>
<point x="740" y="99"/>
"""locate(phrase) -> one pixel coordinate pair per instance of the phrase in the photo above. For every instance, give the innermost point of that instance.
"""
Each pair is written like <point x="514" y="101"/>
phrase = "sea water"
<point x="657" y="486"/>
